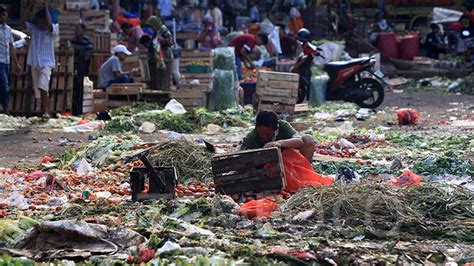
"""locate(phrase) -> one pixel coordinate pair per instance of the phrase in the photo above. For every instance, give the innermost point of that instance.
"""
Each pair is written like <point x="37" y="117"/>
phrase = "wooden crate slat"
<point x="283" y="76"/>
<point x="279" y="108"/>
<point x="283" y="100"/>
<point x="277" y="92"/>
<point x="247" y="173"/>
<point x="228" y="162"/>
<point x="278" y="84"/>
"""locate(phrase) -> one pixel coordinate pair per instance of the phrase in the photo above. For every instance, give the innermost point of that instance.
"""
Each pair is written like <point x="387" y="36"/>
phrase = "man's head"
<point x="434" y="27"/>
<point x="212" y="4"/>
<point x="3" y="14"/>
<point x="126" y="28"/>
<point x="208" y="21"/>
<point x="80" y="30"/>
<point x="145" y="14"/>
<point x="262" y="39"/>
<point x="40" y="19"/>
<point x="266" y="126"/>
<point x="121" y="52"/>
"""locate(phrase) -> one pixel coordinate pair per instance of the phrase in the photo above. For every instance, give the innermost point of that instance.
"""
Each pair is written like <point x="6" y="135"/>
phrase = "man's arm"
<point x="48" y="17"/>
<point x="246" y="58"/>
<point x="294" y="143"/>
<point x="15" y="58"/>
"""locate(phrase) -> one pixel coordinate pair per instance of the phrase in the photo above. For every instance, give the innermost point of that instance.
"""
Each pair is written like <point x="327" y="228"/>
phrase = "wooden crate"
<point x="102" y="41"/>
<point x="191" y="96"/>
<point x="93" y="19"/>
<point x="277" y="91"/>
<point x="252" y="170"/>
<point x="78" y="4"/>
<point x="22" y="99"/>
<point x="190" y="56"/>
<point x="123" y="94"/>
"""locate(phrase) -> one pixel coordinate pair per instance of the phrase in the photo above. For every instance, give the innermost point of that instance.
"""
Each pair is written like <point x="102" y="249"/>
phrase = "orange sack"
<point x="258" y="208"/>
<point x="299" y="173"/>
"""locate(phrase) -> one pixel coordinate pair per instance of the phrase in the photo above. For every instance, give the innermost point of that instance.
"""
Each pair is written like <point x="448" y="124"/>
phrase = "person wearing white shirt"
<point x="6" y="49"/>
<point x="41" y="56"/>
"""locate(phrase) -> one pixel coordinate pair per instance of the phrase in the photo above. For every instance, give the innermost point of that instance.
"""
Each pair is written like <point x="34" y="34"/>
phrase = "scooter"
<point x="352" y="81"/>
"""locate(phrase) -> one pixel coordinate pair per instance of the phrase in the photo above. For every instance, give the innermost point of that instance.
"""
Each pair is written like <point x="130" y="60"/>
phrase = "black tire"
<point x="375" y="89"/>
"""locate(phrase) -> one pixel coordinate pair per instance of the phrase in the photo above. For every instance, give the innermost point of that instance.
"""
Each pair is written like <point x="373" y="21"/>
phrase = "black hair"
<point x="126" y="25"/>
<point x="212" y="3"/>
<point x="281" y="26"/>
<point x="267" y="119"/>
<point x="434" y="26"/>
<point x="264" y="38"/>
<point x="145" y="39"/>
<point x="41" y="14"/>
<point x="82" y="25"/>
<point x="3" y="9"/>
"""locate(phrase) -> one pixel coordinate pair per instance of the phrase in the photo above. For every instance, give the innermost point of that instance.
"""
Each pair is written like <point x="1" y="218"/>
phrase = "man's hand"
<point x="249" y="65"/>
<point x="272" y="145"/>
<point x="136" y="71"/>
<point x="18" y="69"/>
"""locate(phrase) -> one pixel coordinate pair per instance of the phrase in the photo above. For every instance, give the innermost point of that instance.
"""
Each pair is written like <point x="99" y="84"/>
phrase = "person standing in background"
<point x="82" y="45"/>
<point x="6" y="50"/>
<point x="165" y="9"/>
<point x="132" y="35"/>
<point x="41" y="56"/>
<point x="216" y="14"/>
<point x="296" y="21"/>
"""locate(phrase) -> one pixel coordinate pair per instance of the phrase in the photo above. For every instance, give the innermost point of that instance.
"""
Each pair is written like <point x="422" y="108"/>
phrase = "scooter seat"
<point x="343" y="64"/>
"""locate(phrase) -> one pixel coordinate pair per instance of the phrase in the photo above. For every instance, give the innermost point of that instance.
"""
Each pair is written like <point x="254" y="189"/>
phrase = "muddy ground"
<point x="25" y="149"/>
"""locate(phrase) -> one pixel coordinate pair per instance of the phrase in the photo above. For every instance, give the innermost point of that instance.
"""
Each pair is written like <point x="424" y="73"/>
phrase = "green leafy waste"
<point x="190" y="122"/>
<point x="449" y="163"/>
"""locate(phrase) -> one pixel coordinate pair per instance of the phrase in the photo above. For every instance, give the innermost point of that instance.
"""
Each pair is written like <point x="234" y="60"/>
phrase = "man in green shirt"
<point x="271" y="132"/>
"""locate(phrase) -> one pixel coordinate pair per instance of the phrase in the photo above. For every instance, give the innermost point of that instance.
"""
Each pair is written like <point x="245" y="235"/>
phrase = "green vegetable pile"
<point x="449" y="163"/>
<point x="104" y="151"/>
<point x="192" y="162"/>
<point x="11" y="229"/>
<point x="191" y="122"/>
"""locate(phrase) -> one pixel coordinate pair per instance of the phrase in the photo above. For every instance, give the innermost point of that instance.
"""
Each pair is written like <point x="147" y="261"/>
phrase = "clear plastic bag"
<point x="222" y="96"/>
<point x="223" y="58"/>
<point x="317" y="95"/>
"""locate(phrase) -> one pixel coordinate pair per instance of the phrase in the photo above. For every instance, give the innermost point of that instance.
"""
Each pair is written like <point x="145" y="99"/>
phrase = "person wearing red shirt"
<point x="243" y="45"/>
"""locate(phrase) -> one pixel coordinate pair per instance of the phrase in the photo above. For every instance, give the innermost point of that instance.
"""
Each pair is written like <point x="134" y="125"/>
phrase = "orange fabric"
<point x="408" y="179"/>
<point x="407" y="116"/>
<point x="296" y="27"/>
<point x="299" y="173"/>
<point x="134" y="21"/>
<point x="258" y="208"/>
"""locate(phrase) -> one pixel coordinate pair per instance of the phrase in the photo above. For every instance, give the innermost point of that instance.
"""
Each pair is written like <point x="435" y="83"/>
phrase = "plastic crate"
<point x="198" y="69"/>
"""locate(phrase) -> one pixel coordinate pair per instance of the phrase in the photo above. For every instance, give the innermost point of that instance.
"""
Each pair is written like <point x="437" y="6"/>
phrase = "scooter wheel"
<point x="375" y="89"/>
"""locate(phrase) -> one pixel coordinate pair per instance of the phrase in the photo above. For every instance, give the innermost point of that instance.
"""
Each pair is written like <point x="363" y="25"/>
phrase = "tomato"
<point x="32" y="207"/>
<point x="3" y="205"/>
<point x="46" y="159"/>
<point x="188" y="192"/>
<point x="211" y="185"/>
<point x="198" y="195"/>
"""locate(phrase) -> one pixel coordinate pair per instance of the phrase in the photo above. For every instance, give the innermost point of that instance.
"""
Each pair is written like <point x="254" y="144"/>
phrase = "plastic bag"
<point x="175" y="107"/>
<point x="407" y="179"/>
<point x="222" y="96"/>
<point x="299" y="173"/>
<point x="223" y="58"/>
<point x="317" y="95"/>
<point x="258" y="208"/>
<point x="407" y="116"/>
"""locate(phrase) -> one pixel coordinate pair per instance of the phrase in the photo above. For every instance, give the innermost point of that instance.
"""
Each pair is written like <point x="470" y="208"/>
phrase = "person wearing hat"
<point x="209" y="36"/>
<point x="111" y="71"/>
